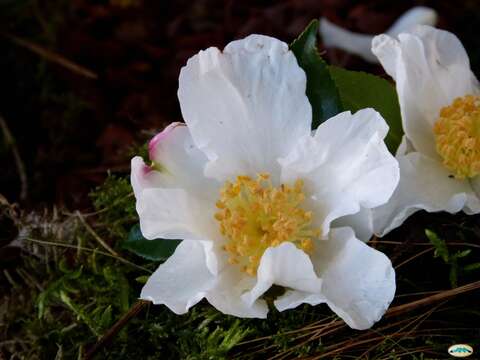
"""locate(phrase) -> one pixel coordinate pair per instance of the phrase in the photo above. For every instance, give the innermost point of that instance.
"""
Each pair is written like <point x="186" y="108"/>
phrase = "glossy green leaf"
<point x="157" y="250"/>
<point x="359" y="90"/>
<point x="321" y="90"/>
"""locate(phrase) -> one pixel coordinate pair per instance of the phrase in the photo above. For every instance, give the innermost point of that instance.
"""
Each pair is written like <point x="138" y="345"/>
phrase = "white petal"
<point x="174" y="214"/>
<point x="226" y="296"/>
<point x="361" y="223"/>
<point x="338" y="37"/>
<point x="245" y="107"/>
<point x="424" y="184"/>
<point x="358" y="281"/>
<point x="473" y="202"/>
<point x="287" y="266"/>
<point x="417" y="15"/>
<point x="181" y="161"/>
<point x="431" y="68"/>
<point x="345" y="166"/>
<point x="360" y="44"/>
<point x="182" y="281"/>
<point x="293" y="298"/>
<point x="405" y="147"/>
<point x="144" y="177"/>
<point x="174" y="199"/>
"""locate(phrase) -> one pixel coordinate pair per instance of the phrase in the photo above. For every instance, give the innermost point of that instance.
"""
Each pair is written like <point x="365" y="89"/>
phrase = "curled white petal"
<point x="345" y="166"/>
<point x="287" y="266"/>
<point x="358" y="281"/>
<point x="245" y="106"/>
<point x="144" y="177"/>
<point x="360" y="44"/>
<point x="226" y="296"/>
<point x="293" y="298"/>
<point x="181" y="162"/>
<point x="182" y="281"/>
<point x="361" y="223"/>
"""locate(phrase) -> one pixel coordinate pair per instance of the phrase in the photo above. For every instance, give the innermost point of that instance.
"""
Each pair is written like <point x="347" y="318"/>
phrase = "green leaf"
<point x="142" y="279"/>
<point x="471" y="267"/>
<point x="359" y="90"/>
<point x="106" y="318"/>
<point x="461" y="254"/>
<point x="453" y="273"/>
<point x="156" y="250"/>
<point x="439" y="244"/>
<point x="321" y="90"/>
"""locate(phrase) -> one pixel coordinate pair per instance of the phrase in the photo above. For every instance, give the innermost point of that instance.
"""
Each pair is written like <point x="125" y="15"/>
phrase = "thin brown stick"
<point x="95" y="235"/>
<point x="413" y="257"/>
<point x="52" y="57"/>
<point x="81" y="248"/>
<point x="110" y="334"/>
<point x="403" y="355"/>
<point x="344" y="345"/>
<point x="314" y="325"/>
<point x="426" y="244"/>
<point x="400" y="309"/>
<point x="22" y="174"/>
<point x="418" y="320"/>
<point x="418" y="293"/>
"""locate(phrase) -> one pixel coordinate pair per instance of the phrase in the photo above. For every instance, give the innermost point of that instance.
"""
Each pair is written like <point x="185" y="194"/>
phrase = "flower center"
<point x="457" y="136"/>
<point x="255" y="215"/>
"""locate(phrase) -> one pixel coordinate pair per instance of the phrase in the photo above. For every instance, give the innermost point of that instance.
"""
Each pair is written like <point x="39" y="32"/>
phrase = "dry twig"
<point x="52" y="57"/>
<point x="10" y="141"/>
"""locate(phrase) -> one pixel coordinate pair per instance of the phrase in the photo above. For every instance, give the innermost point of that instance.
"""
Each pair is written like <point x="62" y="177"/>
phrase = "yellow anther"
<point x="307" y="216"/>
<point x="242" y="178"/>
<point x="255" y="215"/>
<point x="307" y="245"/>
<point x="232" y="260"/>
<point x="457" y="136"/>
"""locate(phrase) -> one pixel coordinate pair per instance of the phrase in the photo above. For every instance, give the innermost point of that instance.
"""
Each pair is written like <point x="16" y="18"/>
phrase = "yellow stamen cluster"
<point x="255" y="215"/>
<point x="457" y="136"/>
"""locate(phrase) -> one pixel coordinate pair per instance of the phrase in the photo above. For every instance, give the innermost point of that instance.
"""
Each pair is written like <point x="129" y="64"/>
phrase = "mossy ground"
<point x="69" y="289"/>
<point x="65" y="278"/>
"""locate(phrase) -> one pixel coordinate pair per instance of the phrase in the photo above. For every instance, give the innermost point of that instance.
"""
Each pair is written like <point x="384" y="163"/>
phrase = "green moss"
<point x="115" y="206"/>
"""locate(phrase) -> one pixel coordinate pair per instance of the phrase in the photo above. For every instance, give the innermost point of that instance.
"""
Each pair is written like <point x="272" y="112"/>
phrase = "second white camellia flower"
<point x="440" y="103"/>
<point x="252" y="192"/>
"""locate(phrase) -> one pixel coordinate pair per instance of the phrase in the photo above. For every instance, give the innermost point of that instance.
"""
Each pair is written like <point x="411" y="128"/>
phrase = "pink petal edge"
<point x="157" y="139"/>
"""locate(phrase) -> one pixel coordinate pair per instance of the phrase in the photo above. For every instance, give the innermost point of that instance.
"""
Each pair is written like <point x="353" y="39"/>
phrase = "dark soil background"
<point x="71" y="127"/>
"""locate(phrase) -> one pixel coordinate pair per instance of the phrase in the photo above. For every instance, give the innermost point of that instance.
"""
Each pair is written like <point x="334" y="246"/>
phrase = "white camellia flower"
<point x="252" y="192"/>
<point x="440" y="104"/>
